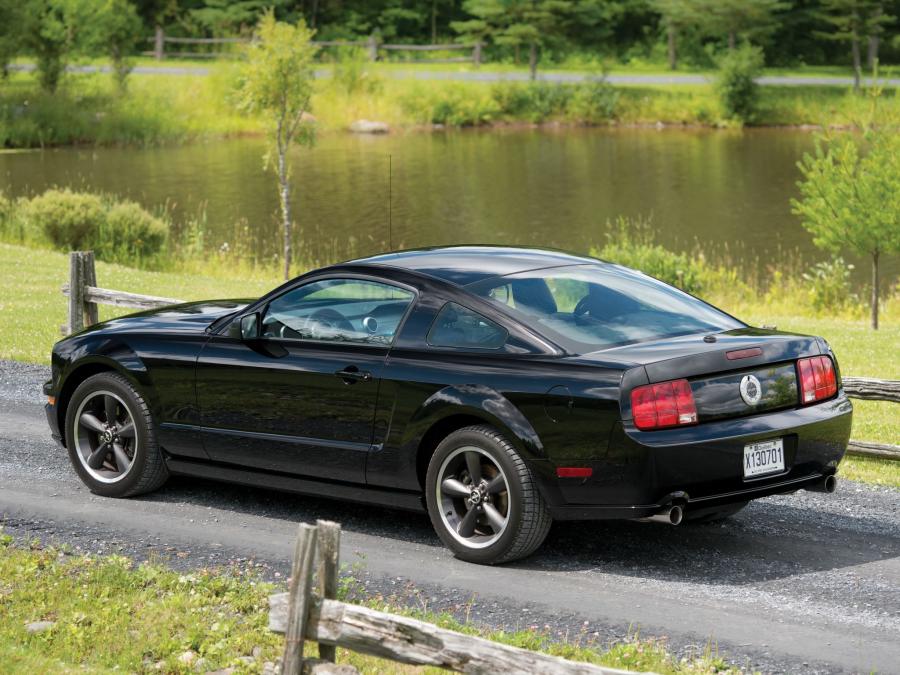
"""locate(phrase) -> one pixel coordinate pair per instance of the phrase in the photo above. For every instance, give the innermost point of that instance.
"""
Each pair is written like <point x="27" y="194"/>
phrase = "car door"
<point x="300" y="396"/>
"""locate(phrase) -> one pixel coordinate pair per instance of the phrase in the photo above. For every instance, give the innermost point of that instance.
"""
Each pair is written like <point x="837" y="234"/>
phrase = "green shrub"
<point x="130" y="235"/>
<point x="352" y="72"/>
<point x="535" y="102"/>
<point x="828" y="284"/>
<point x="593" y="102"/>
<point x="69" y="220"/>
<point x="117" y="231"/>
<point x="451" y="104"/>
<point x="631" y="243"/>
<point x="736" y="82"/>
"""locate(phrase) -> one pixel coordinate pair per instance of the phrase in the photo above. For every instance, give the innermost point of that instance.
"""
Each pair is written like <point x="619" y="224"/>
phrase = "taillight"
<point x="817" y="379"/>
<point x="667" y="404"/>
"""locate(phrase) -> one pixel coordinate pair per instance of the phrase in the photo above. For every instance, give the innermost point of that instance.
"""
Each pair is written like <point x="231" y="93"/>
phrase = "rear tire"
<point x="494" y="517"/>
<point x="111" y="438"/>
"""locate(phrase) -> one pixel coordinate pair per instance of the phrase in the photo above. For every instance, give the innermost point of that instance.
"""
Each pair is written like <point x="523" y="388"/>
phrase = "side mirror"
<point x="250" y="327"/>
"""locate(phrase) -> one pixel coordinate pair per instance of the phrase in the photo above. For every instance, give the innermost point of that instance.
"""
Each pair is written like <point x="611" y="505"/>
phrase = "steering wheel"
<point x="582" y="307"/>
<point x="329" y="318"/>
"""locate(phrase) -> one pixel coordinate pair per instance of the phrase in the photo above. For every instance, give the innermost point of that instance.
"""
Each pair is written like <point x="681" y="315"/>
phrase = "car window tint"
<point x="457" y="326"/>
<point x="589" y="307"/>
<point x="338" y="310"/>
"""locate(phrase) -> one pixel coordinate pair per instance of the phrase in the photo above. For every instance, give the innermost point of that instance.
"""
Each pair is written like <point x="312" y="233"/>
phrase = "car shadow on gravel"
<point x="767" y="541"/>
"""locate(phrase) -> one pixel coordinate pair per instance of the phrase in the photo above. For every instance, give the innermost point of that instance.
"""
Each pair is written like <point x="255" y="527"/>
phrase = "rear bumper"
<point x="701" y="466"/>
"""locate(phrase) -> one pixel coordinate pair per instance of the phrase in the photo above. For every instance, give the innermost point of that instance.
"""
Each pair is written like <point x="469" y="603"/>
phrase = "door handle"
<point x="352" y="374"/>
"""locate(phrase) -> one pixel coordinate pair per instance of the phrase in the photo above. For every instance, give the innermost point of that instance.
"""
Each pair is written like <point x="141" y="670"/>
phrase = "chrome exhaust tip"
<point x="827" y="484"/>
<point x="671" y="515"/>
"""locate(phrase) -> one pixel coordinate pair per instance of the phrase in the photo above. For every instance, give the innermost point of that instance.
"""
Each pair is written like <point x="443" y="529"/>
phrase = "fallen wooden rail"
<point x="872" y="389"/>
<point x="87" y="295"/>
<point x="317" y="616"/>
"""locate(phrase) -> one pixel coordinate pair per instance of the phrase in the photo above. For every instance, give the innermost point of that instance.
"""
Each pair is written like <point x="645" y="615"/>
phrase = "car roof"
<point x="464" y="265"/>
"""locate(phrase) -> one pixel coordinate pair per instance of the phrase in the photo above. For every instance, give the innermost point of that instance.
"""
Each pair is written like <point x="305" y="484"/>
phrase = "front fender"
<point x="87" y="357"/>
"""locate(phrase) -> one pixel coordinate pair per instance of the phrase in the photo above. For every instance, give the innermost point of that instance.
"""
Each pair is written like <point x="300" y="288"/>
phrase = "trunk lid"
<point x="717" y="369"/>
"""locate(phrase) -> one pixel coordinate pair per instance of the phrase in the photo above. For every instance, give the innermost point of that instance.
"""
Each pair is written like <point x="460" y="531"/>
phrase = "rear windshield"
<point x="586" y="308"/>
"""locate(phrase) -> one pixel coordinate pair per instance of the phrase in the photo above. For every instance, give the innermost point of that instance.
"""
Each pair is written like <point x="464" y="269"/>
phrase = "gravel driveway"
<point x="801" y="583"/>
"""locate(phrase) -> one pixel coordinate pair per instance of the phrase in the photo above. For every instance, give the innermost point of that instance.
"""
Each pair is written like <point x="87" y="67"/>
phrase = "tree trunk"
<point x="857" y="66"/>
<point x="875" y="290"/>
<point x="434" y="22"/>
<point x="673" y="52"/>
<point x="732" y="40"/>
<point x="872" y="56"/>
<point x="315" y="12"/>
<point x="284" y="194"/>
<point x="532" y="60"/>
<point x="516" y="55"/>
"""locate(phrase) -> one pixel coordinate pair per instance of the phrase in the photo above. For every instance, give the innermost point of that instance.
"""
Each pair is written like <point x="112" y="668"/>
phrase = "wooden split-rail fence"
<point x="311" y="612"/>
<point x="84" y="296"/>
<point x="372" y="46"/>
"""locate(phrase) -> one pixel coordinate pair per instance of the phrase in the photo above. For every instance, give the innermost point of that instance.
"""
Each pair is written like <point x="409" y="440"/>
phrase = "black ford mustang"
<point x="499" y="388"/>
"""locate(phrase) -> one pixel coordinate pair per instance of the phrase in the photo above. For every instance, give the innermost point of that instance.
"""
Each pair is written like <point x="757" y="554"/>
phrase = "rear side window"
<point x="457" y="326"/>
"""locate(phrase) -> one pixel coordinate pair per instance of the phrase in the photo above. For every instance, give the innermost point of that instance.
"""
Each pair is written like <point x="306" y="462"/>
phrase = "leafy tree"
<point x="518" y="23"/>
<point x="676" y="15"/>
<point x="53" y="30"/>
<point x="851" y="21"/>
<point x="10" y="38"/>
<point x="116" y="30"/>
<point x="850" y="197"/>
<point x="739" y="18"/>
<point x="230" y="17"/>
<point x="277" y="83"/>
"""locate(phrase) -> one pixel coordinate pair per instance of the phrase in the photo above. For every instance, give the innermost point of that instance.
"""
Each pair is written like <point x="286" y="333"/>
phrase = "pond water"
<point x="728" y="191"/>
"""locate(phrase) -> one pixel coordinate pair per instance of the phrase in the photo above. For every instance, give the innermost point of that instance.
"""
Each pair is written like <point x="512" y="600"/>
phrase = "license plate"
<point x="764" y="457"/>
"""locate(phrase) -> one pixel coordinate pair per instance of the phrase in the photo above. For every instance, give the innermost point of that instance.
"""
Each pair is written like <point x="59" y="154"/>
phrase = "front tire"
<point x="482" y="498"/>
<point x="111" y="438"/>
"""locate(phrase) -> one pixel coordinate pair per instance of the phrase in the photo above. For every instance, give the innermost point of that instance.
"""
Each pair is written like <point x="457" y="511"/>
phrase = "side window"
<point x="456" y="326"/>
<point x="338" y="310"/>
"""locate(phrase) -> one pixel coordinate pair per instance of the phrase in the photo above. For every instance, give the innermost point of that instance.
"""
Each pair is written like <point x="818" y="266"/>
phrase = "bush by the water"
<point x="460" y="104"/>
<point x="736" y="82"/>
<point x="829" y="285"/>
<point x="116" y="230"/>
<point x="632" y="243"/>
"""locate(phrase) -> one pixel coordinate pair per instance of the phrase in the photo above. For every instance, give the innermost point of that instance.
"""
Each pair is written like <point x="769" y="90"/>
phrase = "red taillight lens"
<point x="667" y="404"/>
<point x="817" y="378"/>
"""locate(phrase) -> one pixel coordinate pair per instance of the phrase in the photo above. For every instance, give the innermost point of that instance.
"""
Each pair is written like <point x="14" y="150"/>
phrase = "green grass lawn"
<point x="109" y="614"/>
<point x="32" y="309"/>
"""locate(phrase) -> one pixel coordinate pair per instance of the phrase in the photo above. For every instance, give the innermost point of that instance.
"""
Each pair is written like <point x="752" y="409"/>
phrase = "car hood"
<point x="187" y="317"/>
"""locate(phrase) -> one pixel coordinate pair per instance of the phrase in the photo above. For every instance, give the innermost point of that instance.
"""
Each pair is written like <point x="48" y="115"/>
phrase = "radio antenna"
<point x="390" y="204"/>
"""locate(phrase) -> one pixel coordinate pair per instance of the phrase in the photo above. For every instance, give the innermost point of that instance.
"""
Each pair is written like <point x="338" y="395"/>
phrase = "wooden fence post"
<point x="476" y="53"/>
<point x="76" y="293"/>
<point x="89" y="275"/>
<point x="300" y="599"/>
<point x="329" y="545"/>
<point x="372" y="46"/>
<point x="159" y="44"/>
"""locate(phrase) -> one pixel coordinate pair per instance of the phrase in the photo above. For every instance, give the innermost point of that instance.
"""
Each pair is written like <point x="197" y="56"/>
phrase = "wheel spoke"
<point x="497" y="484"/>
<point x="495" y="518"/>
<point x="91" y="422"/>
<point x="122" y="461"/>
<point x="98" y="456"/>
<point x="454" y="488"/>
<point x="466" y="526"/>
<point x="126" y="430"/>
<point x="109" y="407"/>
<point x="473" y="462"/>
